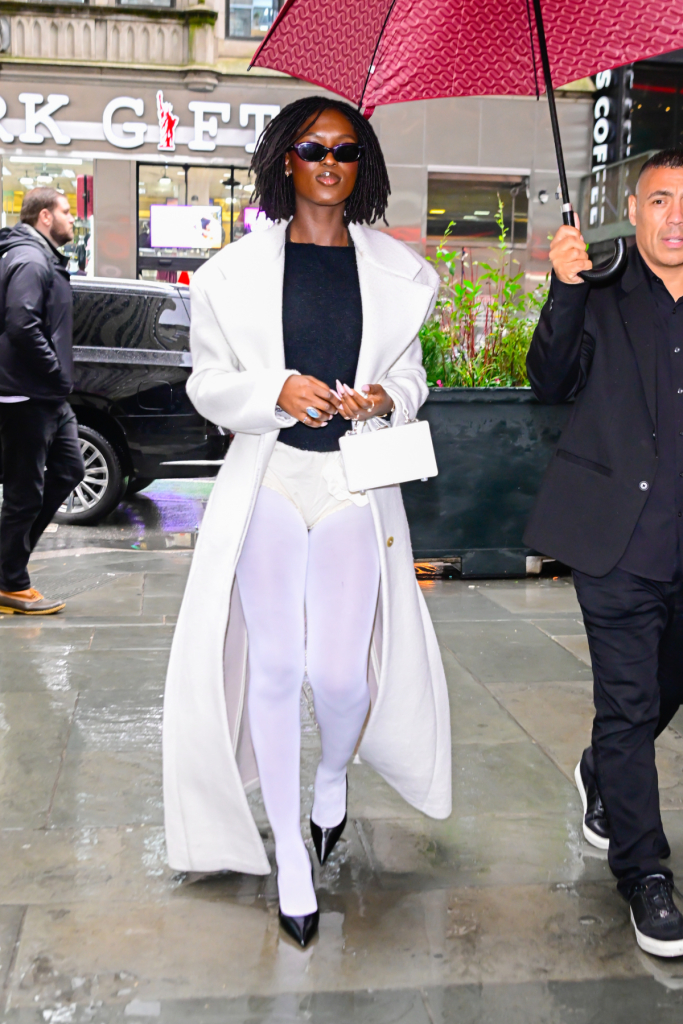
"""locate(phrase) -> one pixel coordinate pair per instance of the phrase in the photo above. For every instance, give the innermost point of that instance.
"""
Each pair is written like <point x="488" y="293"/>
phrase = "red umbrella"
<point x="375" y="52"/>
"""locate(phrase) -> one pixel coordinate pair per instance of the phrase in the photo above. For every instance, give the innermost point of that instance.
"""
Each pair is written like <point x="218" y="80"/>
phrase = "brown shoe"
<point x="28" y="602"/>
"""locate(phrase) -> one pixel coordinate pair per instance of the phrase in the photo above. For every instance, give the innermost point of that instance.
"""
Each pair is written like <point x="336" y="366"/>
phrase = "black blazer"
<point x="597" y="345"/>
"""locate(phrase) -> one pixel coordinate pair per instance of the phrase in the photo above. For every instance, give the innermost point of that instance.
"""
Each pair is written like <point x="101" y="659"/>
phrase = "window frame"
<point x="513" y="180"/>
<point x="254" y="39"/>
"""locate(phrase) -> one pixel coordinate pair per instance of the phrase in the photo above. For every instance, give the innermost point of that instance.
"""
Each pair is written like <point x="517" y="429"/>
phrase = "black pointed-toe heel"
<point x="325" y="839"/>
<point x="301" y="929"/>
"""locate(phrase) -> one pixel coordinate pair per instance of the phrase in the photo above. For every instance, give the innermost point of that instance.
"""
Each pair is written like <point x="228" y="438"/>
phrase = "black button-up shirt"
<point x="654" y="550"/>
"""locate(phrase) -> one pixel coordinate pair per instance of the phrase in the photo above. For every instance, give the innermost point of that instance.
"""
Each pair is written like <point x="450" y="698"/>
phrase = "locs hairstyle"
<point x="274" y="191"/>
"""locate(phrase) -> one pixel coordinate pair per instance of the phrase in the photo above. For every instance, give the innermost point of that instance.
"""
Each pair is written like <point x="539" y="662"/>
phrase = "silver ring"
<point x="313" y="413"/>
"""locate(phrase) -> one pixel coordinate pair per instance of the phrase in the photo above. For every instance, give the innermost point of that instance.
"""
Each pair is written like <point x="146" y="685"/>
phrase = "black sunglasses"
<point x="315" y="152"/>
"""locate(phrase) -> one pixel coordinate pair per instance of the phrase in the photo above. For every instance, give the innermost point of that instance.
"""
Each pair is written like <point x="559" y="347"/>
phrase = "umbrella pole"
<point x="567" y="209"/>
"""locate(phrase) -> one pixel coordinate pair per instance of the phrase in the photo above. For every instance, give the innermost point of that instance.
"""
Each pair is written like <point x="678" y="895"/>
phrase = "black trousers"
<point x="41" y="465"/>
<point x="635" y="636"/>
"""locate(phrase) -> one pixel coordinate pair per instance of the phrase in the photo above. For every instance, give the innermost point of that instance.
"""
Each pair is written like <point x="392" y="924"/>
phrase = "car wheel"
<point x="138" y="483"/>
<point x="102" y="487"/>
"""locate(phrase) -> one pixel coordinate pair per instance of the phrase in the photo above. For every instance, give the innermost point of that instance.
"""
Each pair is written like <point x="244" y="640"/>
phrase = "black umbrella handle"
<point x="616" y="266"/>
<point x="609" y="271"/>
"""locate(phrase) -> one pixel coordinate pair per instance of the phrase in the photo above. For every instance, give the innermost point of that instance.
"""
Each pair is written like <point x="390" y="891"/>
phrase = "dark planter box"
<point x="492" y="447"/>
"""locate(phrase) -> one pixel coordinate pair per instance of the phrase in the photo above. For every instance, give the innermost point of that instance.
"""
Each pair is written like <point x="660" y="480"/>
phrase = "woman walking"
<point x="297" y="331"/>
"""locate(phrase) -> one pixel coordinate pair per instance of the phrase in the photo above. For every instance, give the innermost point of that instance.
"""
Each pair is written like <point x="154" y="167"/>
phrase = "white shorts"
<point x="314" y="482"/>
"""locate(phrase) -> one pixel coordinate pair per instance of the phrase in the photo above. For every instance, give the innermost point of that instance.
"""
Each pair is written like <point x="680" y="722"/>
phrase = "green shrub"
<point x="481" y="329"/>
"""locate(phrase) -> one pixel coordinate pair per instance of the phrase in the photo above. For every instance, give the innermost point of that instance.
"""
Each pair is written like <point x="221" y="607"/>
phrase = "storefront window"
<point x="472" y="204"/>
<point x="22" y="173"/>
<point x="251" y="19"/>
<point x="146" y="3"/>
<point x="186" y="214"/>
<point x="657" y="117"/>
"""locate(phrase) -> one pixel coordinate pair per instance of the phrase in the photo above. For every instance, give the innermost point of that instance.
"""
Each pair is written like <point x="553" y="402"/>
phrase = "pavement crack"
<point x="14" y="956"/>
<point x="62" y="758"/>
<point x="428" y="1010"/>
<point x="367" y="849"/>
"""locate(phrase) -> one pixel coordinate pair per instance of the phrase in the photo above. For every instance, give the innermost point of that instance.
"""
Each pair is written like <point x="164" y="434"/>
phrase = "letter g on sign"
<point x="133" y="131"/>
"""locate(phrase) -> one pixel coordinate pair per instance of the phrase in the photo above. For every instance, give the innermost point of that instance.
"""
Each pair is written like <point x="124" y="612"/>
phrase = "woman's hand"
<point x="300" y="394"/>
<point x="373" y="401"/>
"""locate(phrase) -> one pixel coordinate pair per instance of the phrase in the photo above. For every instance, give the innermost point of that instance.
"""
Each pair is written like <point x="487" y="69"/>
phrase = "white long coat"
<point x="238" y="359"/>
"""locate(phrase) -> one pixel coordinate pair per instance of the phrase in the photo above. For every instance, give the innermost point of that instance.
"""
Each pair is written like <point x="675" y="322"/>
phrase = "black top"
<point x="322" y="321"/>
<point x="654" y="548"/>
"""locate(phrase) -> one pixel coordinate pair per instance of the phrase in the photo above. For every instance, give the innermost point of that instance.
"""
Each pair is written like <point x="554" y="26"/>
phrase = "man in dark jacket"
<point x="41" y="454"/>
<point x="611" y="506"/>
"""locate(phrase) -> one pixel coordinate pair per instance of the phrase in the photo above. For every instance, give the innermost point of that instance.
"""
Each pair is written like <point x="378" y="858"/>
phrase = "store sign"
<point x="611" y="134"/>
<point x="204" y="135"/>
<point x="168" y="122"/>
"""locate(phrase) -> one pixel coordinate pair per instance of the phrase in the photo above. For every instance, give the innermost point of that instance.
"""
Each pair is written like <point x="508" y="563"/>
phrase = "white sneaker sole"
<point x="655" y="946"/>
<point x="591" y="837"/>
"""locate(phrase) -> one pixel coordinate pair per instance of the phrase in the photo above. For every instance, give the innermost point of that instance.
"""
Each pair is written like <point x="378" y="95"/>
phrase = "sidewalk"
<point x="500" y="915"/>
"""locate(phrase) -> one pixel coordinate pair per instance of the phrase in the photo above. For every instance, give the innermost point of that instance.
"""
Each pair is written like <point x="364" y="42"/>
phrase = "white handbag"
<point x="388" y="455"/>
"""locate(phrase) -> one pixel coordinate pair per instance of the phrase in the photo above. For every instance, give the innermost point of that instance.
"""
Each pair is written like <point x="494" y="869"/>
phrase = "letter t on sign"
<point x="259" y="111"/>
<point x="43" y="116"/>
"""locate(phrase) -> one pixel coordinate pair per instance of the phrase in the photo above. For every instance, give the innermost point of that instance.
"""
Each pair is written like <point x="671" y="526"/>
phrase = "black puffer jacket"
<point x="36" y="317"/>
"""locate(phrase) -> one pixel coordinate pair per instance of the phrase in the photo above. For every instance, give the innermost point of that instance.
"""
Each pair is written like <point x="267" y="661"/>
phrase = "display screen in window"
<point x="251" y="19"/>
<point x="472" y="205"/>
<point x="185" y="227"/>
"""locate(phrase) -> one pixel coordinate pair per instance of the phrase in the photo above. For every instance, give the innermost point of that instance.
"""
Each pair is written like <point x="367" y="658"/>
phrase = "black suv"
<point x="136" y="423"/>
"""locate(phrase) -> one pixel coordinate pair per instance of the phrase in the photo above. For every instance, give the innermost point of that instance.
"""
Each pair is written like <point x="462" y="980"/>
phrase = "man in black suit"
<point x="611" y="507"/>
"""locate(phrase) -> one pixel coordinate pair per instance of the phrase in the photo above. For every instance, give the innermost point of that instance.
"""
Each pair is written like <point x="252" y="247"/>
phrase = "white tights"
<point x="309" y="602"/>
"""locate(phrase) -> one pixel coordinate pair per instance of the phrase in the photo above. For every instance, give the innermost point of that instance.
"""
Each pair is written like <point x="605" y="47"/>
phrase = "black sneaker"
<point x="595" y="824"/>
<point x="656" y="918"/>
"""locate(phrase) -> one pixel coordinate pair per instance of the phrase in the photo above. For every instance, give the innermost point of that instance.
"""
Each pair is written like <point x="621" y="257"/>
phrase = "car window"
<point x="172" y="325"/>
<point x="114" y="319"/>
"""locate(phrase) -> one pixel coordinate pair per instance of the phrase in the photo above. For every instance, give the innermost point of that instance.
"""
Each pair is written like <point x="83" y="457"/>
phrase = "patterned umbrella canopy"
<point x="388" y="51"/>
<point x="375" y="52"/>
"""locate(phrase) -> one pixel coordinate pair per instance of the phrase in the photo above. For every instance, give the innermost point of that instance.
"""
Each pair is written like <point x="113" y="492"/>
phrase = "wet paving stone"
<point x="34" y="731"/>
<point x="512" y="651"/>
<point x="628" y="1001"/>
<point x="132" y="637"/>
<point x="54" y="865"/>
<point x="130" y="722"/>
<point x="104" y="788"/>
<point x="193" y="948"/>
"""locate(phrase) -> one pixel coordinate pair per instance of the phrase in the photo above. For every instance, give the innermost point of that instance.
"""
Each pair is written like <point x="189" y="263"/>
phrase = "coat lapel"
<point x="640" y="319"/>
<point x="394" y="303"/>
<point x="249" y="305"/>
